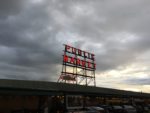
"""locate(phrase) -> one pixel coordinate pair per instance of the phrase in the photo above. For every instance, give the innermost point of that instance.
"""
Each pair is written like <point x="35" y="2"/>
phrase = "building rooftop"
<point x="28" y="87"/>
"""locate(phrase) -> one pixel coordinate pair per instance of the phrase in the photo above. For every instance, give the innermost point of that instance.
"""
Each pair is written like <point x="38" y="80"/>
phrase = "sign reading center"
<point x="84" y="59"/>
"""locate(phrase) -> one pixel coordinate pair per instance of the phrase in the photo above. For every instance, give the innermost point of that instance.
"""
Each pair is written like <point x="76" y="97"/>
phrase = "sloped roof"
<point x="8" y="86"/>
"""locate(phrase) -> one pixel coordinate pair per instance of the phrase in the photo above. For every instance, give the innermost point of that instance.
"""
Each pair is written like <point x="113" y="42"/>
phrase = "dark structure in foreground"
<point x="34" y="96"/>
<point x="24" y="87"/>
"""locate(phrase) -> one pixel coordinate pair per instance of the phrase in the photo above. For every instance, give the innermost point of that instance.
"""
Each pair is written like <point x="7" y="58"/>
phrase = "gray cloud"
<point x="138" y="81"/>
<point x="12" y="7"/>
<point x="32" y="34"/>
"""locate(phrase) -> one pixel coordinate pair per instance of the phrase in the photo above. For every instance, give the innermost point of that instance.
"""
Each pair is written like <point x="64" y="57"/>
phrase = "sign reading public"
<point x="79" y="57"/>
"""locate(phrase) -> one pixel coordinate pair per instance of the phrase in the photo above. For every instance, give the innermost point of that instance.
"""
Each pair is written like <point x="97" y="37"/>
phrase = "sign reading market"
<point x="79" y="58"/>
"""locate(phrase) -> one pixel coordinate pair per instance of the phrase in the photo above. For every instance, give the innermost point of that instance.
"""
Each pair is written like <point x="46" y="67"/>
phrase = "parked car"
<point x="129" y="109"/>
<point x="94" y="109"/>
<point x="146" y="109"/>
<point x="117" y="109"/>
<point x="139" y="109"/>
<point x="107" y="108"/>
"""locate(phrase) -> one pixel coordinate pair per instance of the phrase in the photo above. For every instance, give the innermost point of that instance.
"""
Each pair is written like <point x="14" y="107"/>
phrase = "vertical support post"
<point x="65" y="103"/>
<point x="76" y="69"/>
<point x="94" y="73"/>
<point x="85" y="73"/>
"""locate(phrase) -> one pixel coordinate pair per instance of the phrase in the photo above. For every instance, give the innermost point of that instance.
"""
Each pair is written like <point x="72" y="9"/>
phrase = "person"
<point x="46" y="107"/>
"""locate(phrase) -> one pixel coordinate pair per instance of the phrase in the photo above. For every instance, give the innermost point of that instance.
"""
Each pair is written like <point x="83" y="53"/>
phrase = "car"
<point x="94" y="109"/>
<point x="99" y="109"/>
<point x="146" y="109"/>
<point x="117" y="109"/>
<point x="107" y="108"/>
<point x="76" y="111"/>
<point x="139" y="109"/>
<point x="129" y="109"/>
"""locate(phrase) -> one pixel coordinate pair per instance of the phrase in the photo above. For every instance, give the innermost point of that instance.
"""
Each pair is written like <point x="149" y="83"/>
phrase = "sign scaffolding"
<point x="78" y="67"/>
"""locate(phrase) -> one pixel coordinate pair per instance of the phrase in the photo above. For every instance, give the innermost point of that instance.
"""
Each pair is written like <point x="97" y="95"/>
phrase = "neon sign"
<point x="77" y="61"/>
<point x="80" y="63"/>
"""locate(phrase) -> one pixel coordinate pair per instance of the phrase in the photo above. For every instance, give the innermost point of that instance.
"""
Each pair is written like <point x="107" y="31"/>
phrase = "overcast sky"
<point x="32" y="34"/>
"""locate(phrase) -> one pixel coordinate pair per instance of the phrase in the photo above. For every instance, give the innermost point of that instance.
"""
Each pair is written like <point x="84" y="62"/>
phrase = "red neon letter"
<point x="67" y="47"/>
<point x="89" y="64"/>
<point x="79" y="52"/>
<point x="65" y="58"/>
<point x="83" y="63"/>
<point x="94" y="66"/>
<point x="73" y="50"/>
<point x="78" y="61"/>
<point x="92" y="56"/>
<point x="72" y="60"/>
<point x="88" y="55"/>
<point x="85" y="54"/>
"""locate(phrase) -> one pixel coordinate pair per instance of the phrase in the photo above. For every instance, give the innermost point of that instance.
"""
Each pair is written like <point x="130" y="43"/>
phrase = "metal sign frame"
<point x="78" y="67"/>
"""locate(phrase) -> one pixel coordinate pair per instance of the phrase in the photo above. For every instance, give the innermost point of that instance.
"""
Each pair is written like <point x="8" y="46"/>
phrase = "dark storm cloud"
<point x="10" y="7"/>
<point x="138" y="81"/>
<point x="28" y="48"/>
<point x="31" y="44"/>
<point x="109" y="23"/>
